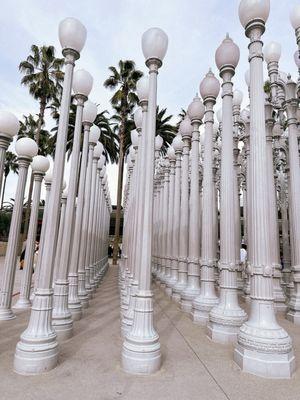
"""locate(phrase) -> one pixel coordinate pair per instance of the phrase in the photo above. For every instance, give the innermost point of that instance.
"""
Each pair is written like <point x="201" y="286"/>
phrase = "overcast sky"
<point x="195" y="29"/>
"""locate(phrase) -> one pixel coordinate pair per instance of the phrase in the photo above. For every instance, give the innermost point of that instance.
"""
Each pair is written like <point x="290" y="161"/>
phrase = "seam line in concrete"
<point x="191" y="347"/>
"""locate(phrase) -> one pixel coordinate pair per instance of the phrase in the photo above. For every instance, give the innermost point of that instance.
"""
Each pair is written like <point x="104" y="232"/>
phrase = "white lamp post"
<point x="83" y="277"/>
<point x="9" y="127"/>
<point x="39" y="167"/>
<point x="37" y="350"/>
<point x="295" y="21"/>
<point x="195" y="113"/>
<point x="185" y="130"/>
<point x="177" y="145"/>
<point x="263" y="347"/>
<point x="209" y="90"/>
<point x="76" y="270"/>
<point x="141" y="348"/>
<point x="226" y="318"/>
<point x="58" y="246"/>
<point x="26" y="148"/>
<point x="61" y="315"/>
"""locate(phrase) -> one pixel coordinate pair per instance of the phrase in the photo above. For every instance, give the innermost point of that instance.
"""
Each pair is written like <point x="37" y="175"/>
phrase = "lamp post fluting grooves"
<point x="39" y="166"/>
<point x="263" y="347"/>
<point x="26" y="148"/>
<point x="37" y="350"/>
<point x="207" y="299"/>
<point x="141" y="348"/>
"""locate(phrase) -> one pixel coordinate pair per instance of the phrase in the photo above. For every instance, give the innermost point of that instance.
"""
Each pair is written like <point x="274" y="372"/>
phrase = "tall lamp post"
<point x="61" y="315"/>
<point x="77" y="294"/>
<point x="37" y="350"/>
<point x="209" y="90"/>
<point x="141" y="348"/>
<point x="39" y="166"/>
<point x="263" y="347"/>
<point x="26" y="148"/>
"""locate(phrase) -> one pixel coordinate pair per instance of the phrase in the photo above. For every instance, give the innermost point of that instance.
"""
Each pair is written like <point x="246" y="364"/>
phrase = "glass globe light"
<point x="134" y="137"/>
<point x="171" y="153"/>
<point x="94" y="134"/>
<point x="72" y="34"/>
<point x="295" y="16"/>
<point x="209" y="86"/>
<point x="98" y="149"/>
<point x="48" y="177"/>
<point x="237" y="97"/>
<point x="253" y="9"/>
<point x="40" y="164"/>
<point x="186" y="128"/>
<point x="101" y="161"/>
<point x="89" y="112"/>
<point x="154" y="43"/>
<point x="158" y="142"/>
<point x="272" y="52"/>
<point x="82" y="82"/>
<point x="142" y="88"/>
<point x="219" y="115"/>
<point x="297" y="58"/>
<point x="177" y="143"/>
<point x="9" y="124"/>
<point x="196" y="109"/>
<point x="247" y="77"/>
<point x="26" y="147"/>
<point x="227" y="53"/>
<point x="138" y="118"/>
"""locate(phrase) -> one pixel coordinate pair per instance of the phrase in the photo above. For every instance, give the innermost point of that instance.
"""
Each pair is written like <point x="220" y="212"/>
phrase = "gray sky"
<point x="195" y="29"/>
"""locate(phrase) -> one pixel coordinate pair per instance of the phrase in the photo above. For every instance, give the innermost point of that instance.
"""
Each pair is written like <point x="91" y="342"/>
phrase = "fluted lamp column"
<point x="61" y="315"/>
<point x="141" y="348"/>
<point x="26" y="148"/>
<point x="263" y="347"/>
<point x="39" y="167"/>
<point x="78" y="298"/>
<point x="37" y="350"/>
<point x="195" y="113"/>
<point x="202" y="304"/>
<point x="226" y="318"/>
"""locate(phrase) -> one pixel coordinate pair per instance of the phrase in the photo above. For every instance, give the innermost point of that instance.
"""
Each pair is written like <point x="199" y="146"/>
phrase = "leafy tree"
<point x="122" y="80"/>
<point x="10" y="165"/>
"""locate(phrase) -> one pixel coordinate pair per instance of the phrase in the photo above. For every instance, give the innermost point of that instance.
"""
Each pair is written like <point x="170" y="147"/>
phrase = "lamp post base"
<point x="22" y="304"/>
<point x="201" y="309"/>
<point x="265" y="365"/>
<point x="293" y="316"/>
<point x="141" y="353"/>
<point x="6" y="314"/>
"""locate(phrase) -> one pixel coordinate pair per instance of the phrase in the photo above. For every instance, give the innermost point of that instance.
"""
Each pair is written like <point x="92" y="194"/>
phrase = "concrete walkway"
<point x="89" y="367"/>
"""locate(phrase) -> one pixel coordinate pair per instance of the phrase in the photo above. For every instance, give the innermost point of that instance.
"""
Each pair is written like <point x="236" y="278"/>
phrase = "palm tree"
<point x="28" y="128"/>
<point x="164" y="129"/>
<point x="10" y="165"/>
<point x="123" y="80"/>
<point x="43" y="76"/>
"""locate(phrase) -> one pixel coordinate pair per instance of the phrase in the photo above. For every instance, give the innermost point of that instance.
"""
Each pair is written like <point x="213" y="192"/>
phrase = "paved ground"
<point x="89" y="368"/>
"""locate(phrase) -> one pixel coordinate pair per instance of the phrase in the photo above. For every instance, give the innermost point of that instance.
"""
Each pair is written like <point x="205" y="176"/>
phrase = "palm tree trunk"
<point x="3" y="190"/>
<point x="37" y="139"/>
<point x="119" y="192"/>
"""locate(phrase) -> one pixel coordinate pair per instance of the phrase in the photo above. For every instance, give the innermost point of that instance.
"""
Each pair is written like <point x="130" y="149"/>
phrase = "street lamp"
<point x="26" y="149"/>
<point x="61" y="315"/>
<point x="9" y="127"/>
<point x="77" y="293"/>
<point x="141" y="348"/>
<point x="37" y="350"/>
<point x="195" y="112"/>
<point x="263" y="347"/>
<point x="209" y="90"/>
<point x="39" y="167"/>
